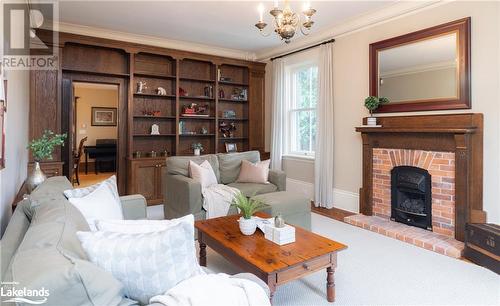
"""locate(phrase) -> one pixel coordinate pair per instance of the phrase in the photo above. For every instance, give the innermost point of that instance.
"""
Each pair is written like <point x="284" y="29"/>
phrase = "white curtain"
<point x="278" y="110"/>
<point x="323" y="174"/>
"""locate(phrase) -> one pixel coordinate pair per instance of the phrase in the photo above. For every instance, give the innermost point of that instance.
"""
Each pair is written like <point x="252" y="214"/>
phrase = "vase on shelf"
<point x="35" y="178"/>
<point x="247" y="226"/>
<point x="372" y="121"/>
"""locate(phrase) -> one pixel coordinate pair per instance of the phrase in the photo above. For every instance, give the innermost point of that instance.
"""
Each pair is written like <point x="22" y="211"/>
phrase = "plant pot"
<point x="247" y="226"/>
<point x="371" y="121"/>
<point x="35" y="178"/>
<point x="197" y="152"/>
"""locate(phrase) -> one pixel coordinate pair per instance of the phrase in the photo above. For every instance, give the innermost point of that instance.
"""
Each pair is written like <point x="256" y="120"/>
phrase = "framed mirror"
<point x="424" y="70"/>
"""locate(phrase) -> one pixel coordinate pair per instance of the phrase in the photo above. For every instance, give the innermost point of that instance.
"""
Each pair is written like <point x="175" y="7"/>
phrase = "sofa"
<point x="40" y="249"/>
<point x="183" y="195"/>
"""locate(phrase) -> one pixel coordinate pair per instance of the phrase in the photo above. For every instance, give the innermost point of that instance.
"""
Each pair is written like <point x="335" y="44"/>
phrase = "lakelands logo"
<point x="23" y="49"/>
<point x="12" y="294"/>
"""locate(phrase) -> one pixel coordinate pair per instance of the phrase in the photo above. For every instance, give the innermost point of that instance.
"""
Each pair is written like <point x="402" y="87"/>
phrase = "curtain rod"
<point x="303" y="49"/>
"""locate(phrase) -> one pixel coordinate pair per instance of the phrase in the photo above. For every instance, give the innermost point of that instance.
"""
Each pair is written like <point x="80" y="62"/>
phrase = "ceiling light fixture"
<point x="286" y="22"/>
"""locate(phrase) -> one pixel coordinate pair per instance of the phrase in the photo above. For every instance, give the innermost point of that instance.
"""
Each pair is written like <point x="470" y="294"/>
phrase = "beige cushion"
<point x="229" y="164"/>
<point x="254" y="172"/>
<point x="203" y="173"/>
<point x="251" y="189"/>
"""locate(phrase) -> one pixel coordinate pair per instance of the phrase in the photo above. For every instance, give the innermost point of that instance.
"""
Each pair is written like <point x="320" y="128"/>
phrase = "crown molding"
<point x="154" y="41"/>
<point x="361" y="22"/>
<point x="419" y="69"/>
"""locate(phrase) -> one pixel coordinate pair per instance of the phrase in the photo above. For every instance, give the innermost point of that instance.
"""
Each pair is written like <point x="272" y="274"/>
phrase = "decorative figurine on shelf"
<point x="137" y="154"/>
<point x="222" y="94"/>
<point x="182" y="126"/>
<point x="152" y="154"/>
<point x="195" y="110"/>
<point x="239" y="94"/>
<point x="227" y="129"/>
<point x="141" y="87"/>
<point x="161" y="91"/>
<point x="204" y="130"/>
<point x="151" y="113"/>
<point x="208" y="91"/>
<point x="229" y="114"/>
<point x="197" y="148"/>
<point x="155" y="129"/>
<point x="164" y="153"/>
<point x="182" y="92"/>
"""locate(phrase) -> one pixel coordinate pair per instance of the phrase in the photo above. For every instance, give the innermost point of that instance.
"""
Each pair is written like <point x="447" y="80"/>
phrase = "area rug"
<point x="377" y="270"/>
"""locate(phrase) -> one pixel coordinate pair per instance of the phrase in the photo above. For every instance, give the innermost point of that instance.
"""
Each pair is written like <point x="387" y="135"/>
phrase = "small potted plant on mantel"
<point x="42" y="148"/>
<point x="197" y="148"/>
<point x="372" y="103"/>
<point x="247" y="208"/>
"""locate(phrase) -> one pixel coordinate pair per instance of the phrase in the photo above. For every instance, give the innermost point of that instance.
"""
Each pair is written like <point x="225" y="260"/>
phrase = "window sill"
<point x="299" y="157"/>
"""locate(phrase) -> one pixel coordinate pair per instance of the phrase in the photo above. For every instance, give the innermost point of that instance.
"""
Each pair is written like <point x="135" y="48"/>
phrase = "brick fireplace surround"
<point x="449" y="147"/>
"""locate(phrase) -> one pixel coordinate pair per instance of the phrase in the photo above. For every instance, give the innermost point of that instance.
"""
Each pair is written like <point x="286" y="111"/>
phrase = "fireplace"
<point x="411" y="196"/>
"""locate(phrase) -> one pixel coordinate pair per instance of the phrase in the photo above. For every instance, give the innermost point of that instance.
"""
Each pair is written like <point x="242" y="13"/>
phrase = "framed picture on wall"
<point x="231" y="147"/>
<point x="104" y="116"/>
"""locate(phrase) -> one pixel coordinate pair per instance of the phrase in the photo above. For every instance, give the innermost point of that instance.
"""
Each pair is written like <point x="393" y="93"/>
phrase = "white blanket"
<point x="214" y="289"/>
<point x="217" y="199"/>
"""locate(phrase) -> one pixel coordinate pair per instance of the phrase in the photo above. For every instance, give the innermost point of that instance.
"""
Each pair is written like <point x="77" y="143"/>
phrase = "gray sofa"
<point x="40" y="249"/>
<point x="183" y="194"/>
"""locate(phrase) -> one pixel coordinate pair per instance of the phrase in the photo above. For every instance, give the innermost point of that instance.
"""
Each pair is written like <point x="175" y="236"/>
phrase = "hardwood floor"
<point x="91" y="178"/>
<point x="334" y="213"/>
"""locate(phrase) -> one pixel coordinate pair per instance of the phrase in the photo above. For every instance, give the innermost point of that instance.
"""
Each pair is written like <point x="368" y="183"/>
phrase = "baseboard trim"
<point x="342" y="199"/>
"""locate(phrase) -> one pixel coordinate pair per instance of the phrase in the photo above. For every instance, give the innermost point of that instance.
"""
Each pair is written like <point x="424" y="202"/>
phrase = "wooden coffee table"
<point x="274" y="264"/>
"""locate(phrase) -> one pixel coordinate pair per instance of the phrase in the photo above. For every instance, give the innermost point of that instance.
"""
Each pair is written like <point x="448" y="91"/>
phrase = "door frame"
<point x="68" y="103"/>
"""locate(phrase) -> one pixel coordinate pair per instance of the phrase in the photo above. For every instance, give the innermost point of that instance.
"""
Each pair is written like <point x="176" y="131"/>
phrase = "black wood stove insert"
<point x="411" y="196"/>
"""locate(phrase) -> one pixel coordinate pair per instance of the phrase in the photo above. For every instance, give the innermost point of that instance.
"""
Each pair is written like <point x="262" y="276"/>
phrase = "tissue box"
<point x="281" y="236"/>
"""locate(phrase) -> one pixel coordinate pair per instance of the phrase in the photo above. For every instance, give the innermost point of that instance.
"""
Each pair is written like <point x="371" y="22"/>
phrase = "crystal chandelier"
<point x="286" y="22"/>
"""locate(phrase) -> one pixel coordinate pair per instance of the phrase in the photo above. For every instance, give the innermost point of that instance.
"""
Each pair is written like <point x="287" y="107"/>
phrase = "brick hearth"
<point x="422" y="238"/>
<point x="441" y="166"/>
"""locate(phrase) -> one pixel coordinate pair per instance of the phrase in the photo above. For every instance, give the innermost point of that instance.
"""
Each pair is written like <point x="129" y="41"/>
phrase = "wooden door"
<point x="144" y="176"/>
<point x="161" y="172"/>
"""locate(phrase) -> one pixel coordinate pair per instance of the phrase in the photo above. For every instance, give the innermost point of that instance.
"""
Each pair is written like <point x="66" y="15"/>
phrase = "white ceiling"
<point x="227" y="24"/>
<point x="426" y="53"/>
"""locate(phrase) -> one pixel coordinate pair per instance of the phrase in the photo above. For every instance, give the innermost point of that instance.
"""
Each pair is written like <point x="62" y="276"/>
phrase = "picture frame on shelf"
<point x="104" y="116"/>
<point x="231" y="147"/>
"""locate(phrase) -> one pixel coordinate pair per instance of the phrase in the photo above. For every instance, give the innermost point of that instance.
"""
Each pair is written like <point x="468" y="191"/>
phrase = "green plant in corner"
<point x="43" y="147"/>
<point x="372" y="103"/>
<point x="247" y="206"/>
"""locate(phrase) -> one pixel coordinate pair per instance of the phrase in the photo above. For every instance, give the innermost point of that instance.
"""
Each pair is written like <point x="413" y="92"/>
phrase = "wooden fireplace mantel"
<point x="458" y="133"/>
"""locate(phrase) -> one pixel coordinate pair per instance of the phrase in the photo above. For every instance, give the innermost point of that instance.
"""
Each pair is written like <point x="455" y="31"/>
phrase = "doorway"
<point x="95" y="118"/>
<point x="95" y="131"/>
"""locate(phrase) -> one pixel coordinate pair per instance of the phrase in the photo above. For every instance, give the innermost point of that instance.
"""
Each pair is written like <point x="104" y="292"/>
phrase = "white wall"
<point x="351" y="87"/>
<point x="16" y="140"/>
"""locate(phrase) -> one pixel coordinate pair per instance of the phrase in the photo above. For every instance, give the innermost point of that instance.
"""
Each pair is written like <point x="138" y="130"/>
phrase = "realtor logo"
<point x="22" y="48"/>
<point x="9" y="293"/>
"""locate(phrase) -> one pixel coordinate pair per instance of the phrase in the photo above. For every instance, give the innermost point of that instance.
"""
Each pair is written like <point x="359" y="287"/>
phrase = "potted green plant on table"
<point x="197" y="148"/>
<point x="247" y="208"/>
<point x="42" y="148"/>
<point x="372" y="103"/>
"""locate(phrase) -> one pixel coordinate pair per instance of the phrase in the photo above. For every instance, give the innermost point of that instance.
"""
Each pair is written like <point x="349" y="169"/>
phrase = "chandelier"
<point x="286" y="22"/>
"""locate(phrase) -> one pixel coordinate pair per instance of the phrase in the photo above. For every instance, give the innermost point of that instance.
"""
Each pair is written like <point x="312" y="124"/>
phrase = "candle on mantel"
<point x="261" y="12"/>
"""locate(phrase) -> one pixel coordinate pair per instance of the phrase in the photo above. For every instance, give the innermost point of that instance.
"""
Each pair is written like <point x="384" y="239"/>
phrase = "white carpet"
<point x="377" y="270"/>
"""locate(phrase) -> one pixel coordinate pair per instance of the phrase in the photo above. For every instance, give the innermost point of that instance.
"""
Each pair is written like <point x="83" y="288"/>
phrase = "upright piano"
<point x="103" y="151"/>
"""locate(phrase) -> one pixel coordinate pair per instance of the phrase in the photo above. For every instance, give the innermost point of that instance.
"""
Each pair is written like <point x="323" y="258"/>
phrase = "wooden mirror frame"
<point x="462" y="28"/>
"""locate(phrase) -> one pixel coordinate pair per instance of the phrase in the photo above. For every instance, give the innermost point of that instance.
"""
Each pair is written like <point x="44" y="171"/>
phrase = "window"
<point x="303" y="90"/>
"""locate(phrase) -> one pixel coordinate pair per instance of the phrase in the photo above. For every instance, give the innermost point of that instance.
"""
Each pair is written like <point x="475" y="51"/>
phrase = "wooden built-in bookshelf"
<point x="187" y="82"/>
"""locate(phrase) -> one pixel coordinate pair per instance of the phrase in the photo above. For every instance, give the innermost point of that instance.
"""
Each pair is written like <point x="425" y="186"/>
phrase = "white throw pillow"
<point x="146" y="264"/>
<point x="98" y="205"/>
<point x="81" y="192"/>
<point x="254" y="173"/>
<point x="203" y="173"/>
<point x="137" y="226"/>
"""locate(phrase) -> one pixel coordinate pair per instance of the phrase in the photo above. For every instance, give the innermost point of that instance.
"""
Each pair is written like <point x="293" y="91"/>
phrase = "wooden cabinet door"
<point x="144" y="179"/>
<point x="161" y="172"/>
